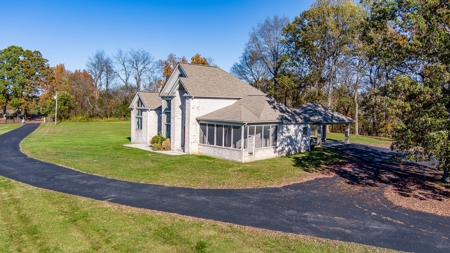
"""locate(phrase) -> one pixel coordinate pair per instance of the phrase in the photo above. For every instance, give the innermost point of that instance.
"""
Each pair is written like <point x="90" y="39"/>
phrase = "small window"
<point x="305" y="131"/>
<point x="139" y="112"/>
<point x="139" y="103"/>
<point x="168" y="104"/>
<point x="139" y="123"/>
<point x="219" y="135"/>
<point x="211" y="134"/>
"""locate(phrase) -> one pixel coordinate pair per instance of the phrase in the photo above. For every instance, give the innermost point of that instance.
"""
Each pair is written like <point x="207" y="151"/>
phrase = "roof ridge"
<point x="195" y="64"/>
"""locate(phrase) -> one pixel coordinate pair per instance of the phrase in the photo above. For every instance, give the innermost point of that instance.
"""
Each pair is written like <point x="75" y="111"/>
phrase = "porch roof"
<point x="320" y="114"/>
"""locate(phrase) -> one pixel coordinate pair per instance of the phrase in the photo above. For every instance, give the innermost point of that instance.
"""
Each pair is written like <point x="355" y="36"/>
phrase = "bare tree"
<point x="123" y="69"/>
<point x="251" y="70"/>
<point x="100" y="67"/>
<point x="141" y="63"/>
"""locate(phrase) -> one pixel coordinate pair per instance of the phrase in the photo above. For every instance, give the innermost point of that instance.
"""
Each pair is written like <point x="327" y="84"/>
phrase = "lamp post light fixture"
<point x="56" y="107"/>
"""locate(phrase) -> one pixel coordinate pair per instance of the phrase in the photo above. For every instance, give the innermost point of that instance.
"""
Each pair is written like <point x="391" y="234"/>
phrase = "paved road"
<point x="326" y="207"/>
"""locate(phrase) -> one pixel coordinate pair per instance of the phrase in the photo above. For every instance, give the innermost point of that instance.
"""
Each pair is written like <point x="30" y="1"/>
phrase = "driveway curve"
<point x="323" y="207"/>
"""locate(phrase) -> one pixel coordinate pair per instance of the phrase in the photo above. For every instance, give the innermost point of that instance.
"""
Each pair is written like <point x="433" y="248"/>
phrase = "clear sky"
<point x="70" y="31"/>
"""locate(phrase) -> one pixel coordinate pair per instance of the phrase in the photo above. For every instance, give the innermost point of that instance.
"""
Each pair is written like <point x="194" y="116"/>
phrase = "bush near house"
<point x="160" y="143"/>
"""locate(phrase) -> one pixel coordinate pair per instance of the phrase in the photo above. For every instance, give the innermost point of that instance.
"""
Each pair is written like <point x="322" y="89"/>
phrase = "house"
<point x="205" y="110"/>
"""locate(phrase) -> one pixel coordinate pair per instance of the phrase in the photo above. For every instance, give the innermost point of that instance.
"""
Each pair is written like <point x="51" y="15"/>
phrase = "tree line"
<point x="28" y="85"/>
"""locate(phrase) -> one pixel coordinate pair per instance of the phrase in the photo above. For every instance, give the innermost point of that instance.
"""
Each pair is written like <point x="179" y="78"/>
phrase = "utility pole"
<point x="56" y="107"/>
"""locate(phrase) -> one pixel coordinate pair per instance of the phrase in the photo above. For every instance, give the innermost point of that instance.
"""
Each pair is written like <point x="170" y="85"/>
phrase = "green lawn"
<point x="97" y="148"/>
<point x="362" y="139"/>
<point x="35" y="220"/>
<point x="8" y="127"/>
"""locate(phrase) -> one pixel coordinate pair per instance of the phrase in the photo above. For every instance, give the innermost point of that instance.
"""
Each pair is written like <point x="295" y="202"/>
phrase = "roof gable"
<point x="151" y="100"/>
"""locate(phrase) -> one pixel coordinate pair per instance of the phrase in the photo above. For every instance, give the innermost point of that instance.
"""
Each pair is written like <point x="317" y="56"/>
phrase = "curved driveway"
<point x="326" y="207"/>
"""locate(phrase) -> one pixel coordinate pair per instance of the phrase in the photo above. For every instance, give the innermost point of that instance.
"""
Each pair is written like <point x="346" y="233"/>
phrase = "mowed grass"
<point x="362" y="139"/>
<point x="97" y="148"/>
<point x="8" y="127"/>
<point x="35" y="220"/>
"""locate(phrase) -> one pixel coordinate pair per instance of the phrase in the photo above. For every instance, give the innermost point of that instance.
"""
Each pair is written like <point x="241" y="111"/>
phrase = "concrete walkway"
<point x="148" y="148"/>
<point x="327" y="207"/>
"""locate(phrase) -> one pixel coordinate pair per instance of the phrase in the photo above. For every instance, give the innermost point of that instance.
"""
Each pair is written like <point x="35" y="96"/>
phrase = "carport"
<point x="322" y="116"/>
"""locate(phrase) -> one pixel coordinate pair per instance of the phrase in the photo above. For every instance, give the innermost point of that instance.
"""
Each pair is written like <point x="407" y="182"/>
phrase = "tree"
<point x="100" y="67"/>
<point x="198" y="59"/>
<point x="321" y="36"/>
<point x="416" y="43"/>
<point x="22" y="75"/>
<point x="141" y="63"/>
<point x="123" y="69"/>
<point x="260" y="63"/>
<point x="251" y="70"/>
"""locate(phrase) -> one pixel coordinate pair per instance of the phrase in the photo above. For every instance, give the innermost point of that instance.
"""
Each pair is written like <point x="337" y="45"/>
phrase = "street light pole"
<point x="56" y="107"/>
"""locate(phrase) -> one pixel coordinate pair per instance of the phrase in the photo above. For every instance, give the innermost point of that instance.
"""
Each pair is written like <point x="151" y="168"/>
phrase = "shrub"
<point x="160" y="143"/>
<point x="165" y="145"/>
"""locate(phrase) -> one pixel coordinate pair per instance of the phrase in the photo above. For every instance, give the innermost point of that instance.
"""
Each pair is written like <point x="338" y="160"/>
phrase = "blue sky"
<point x="70" y="31"/>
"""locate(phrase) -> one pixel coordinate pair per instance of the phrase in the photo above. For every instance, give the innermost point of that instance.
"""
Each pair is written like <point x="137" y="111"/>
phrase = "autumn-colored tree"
<point x="198" y="59"/>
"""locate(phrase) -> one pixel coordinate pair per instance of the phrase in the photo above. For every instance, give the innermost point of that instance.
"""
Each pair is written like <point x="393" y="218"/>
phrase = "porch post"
<point x="347" y="134"/>
<point x="319" y="135"/>
<point x="242" y="143"/>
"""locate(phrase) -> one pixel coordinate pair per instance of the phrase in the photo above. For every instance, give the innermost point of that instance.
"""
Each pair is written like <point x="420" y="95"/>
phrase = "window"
<point x="227" y="136"/>
<point x="138" y="123"/>
<point x="305" y="131"/>
<point x="167" y="116"/>
<point x="139" y="114"/>
<point x="258" y="137"/>
<point x="168" y="105"/>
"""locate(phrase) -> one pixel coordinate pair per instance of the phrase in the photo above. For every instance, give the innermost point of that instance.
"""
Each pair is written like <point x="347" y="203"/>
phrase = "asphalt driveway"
<point x="333" y="208"/>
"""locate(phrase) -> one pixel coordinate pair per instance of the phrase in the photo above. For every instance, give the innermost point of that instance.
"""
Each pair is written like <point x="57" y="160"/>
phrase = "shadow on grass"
<point x="129" y="139"/>
<point x="319" y="160"/>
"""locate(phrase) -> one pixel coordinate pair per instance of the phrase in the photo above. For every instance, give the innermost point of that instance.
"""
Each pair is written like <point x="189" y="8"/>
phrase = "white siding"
<point x="291" y="139"/>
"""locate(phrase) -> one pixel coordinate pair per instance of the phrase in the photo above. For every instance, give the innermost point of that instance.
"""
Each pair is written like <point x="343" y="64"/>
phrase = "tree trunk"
<point x="356" y="100"/>
<point x="445" y="176"/>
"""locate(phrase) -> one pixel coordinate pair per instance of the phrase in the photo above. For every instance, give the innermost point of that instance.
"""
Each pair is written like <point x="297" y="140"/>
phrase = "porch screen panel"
<point x="211" y="136"/>
<point x="219" y="135"/>
<point x="227" y="136"/>
<point x="258" y="137"/>
<point x="237" y="137"/>
<point x="266" y="136"/>
<point x="203" y="133"/>
<point x="273" y="135"/>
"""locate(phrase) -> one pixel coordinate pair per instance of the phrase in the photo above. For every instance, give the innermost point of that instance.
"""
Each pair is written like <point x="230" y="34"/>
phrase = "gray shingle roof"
<point x="151" y="100"/>
<point x="254" y="109"/>
<point x="317" y="113"/>
<point x="207" y="81"/>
